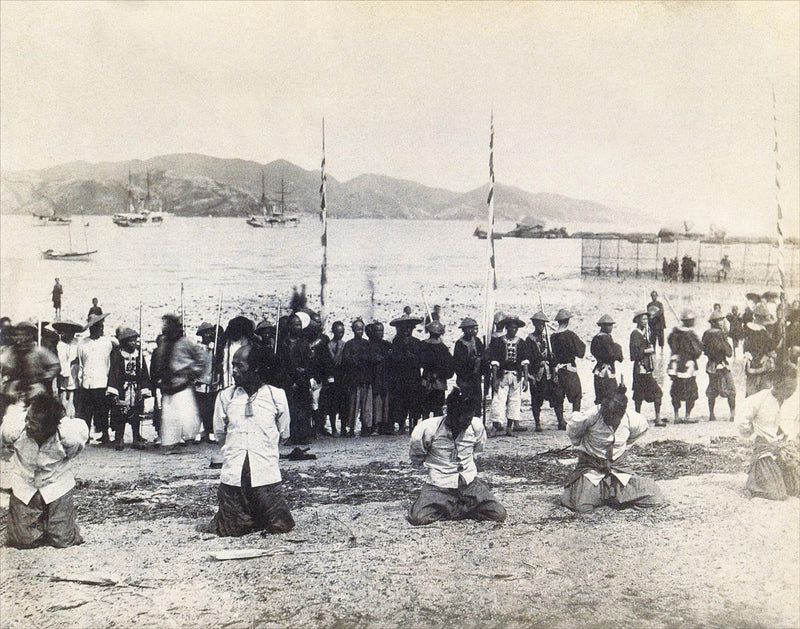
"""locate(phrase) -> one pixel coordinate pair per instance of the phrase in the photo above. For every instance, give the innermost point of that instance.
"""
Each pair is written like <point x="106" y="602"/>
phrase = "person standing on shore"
<point x="357" y="374"/>
<point x="128" y="384"/>
<point x="295" y="367"/>
<point x="333" y="401"/>
<point x="437" y="369"/>
<point x="378" y="388"/>
<point x="606" y="352"/>
<point x="508" y="360"/>
<point x="566" y="347"/>
<point x="405" y="381"/>
<point x="735" y="328"/>
<point x="95" y="310"/>
<point x="181" y="361"/>
<point x="720" y="378"/>
<point x="250" y="419"/>
<point x="759" y="351"/>
<point x="469" y="364"/>
<point x="94" y="359"/>
<point x="67" y="349"/>
<point x="541" y="369"/>
<point x="56" y="294"/>
<point x="685" y="349"/>
<point x="209" y="382"/>
<point x="645" y="387"/>
<point x="656" y="321"/>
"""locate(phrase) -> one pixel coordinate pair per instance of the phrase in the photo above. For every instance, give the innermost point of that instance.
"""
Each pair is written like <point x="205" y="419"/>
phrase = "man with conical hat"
<point x="685" y="349"/>
<point x="94" y="359"/>
<point x="437" y="369"/>
<point x="508" y="360"/>
<point x="405" y="379"/>
<point x="67" y="350"/>
<point x="469" y="363"/>
<point x="128" y="385"/>
<point x="541" y="368"/>
<point x="645" y="388"/>
<point x="760" y="351"/>
<point x="606" y="352"/>
<point x="720" y="379"/>
<point x="566" y="348"/>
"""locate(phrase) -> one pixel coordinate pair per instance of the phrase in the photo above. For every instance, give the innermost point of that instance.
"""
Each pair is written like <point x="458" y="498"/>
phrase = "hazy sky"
<point x="665" y="107"/>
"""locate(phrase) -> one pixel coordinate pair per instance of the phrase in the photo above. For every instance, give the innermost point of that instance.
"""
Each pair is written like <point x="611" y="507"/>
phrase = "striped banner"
<point x="491" y="272"/>
<point x="779" y="223"/>
<point x="323" y="217"/>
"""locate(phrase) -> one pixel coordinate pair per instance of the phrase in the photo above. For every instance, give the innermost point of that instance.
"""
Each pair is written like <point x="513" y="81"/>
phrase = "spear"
<point x="669" y="303"/>
<point x="139" y="357"/>
<point x="182" y="322"/>
<point x="277" y="330"/>
<point x="216" y="339"/>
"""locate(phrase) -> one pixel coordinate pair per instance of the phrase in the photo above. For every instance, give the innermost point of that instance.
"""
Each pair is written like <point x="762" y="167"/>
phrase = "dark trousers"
<point x="474" y="501"/>
<point x="92" y="406"/>
<point x="37" y="523"/>
<point x="205" y="406"/>
<point x="405" y="403"/>
<point x="657" y="336"/>
<point x="245" y="509"/>
<point x="121" y="415"/>
<point x="333" y="401"/>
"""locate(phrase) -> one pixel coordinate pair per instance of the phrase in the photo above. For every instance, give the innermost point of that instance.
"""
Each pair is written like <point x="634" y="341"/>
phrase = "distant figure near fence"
<point x="687" y="268"/>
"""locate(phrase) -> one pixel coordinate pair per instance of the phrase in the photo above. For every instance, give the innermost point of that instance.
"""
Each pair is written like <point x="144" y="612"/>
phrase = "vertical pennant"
<point x="491" y="272"/>
<point x="323" y="217"/>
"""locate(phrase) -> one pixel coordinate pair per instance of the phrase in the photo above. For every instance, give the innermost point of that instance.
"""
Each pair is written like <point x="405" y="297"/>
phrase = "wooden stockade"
<point x="749" y="262"/>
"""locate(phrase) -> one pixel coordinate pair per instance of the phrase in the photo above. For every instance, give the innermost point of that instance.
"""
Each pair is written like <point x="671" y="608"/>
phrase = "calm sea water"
<point x="209" y="255"/>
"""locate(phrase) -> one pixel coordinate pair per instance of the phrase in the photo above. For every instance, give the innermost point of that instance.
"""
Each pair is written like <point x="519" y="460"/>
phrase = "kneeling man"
<point x="447" y="447"/>
<point x="250" y="418"/>
<point x="603" y="436"/>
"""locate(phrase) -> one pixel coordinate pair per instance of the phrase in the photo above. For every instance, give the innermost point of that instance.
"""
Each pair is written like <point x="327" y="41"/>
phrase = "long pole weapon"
<point x="216" y="340"/>
<point x="182" y="321"/>
<point x="425" y="301"/>
<point x="139" y="356"/>
<point x="277" y="329"/>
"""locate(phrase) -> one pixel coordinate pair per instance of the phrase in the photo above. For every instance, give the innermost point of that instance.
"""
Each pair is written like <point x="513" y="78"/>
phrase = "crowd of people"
<point x="252" y="387"/>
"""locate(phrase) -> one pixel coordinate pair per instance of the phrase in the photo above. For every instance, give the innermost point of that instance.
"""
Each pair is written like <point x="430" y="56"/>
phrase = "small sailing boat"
<point x="273" y="214"/>
<point x="44" y="215"/>
<point x="54" y="254"/>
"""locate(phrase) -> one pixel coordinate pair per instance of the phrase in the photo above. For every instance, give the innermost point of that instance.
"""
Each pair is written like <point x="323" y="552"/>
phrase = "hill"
<point x="198" y="185"/>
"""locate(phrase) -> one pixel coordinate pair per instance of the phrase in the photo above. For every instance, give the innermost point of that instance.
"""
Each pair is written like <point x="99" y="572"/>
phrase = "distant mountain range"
<point x="198" y="185"/>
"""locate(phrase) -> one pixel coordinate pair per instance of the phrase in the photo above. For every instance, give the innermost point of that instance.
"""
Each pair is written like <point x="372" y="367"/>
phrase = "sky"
<point x="665" y="108"/>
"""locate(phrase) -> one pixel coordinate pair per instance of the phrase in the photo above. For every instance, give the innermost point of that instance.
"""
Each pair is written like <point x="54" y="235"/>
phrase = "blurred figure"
<point x="759" y="350"/>
<point x="209" y="382"/>
<point x="180" y="362"/>
<point x="41" y="508"/>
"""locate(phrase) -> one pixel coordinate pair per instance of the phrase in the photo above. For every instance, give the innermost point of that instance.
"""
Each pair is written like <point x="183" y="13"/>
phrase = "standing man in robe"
<point x="606" y="352"/>
<point x="128" y="384"/>
<point x="209" y="382"/>
<point x="357" y="374"/>
<point x="56" y="294"/>
<point x="541" y="368"/>
<point x="657" y="322"/>
<point x="566" y="347"/>
<point x="333" y="401"/>
<point x="508" y="359"/>
<point x="645" y="387"/>
<point x="437" y="369"/>
<point x="685" y="349"/>
<point x="759" y="350"/>
<point x="295" y="370"/>
<point x="468" y="363"/>
<point x="405" y="380"/>
<point x="378" y="392"/>
<point x="720" y="378"/>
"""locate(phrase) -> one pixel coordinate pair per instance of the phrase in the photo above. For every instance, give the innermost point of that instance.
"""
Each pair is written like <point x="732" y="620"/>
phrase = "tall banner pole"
<point x="323" y="217"/>
<point x="491" y="274"/>
<point x="779" y="229"/>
